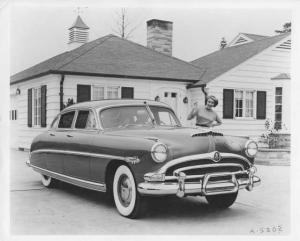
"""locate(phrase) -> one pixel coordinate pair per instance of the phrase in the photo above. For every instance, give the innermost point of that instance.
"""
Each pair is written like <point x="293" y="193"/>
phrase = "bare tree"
<point x="124" y="27"/>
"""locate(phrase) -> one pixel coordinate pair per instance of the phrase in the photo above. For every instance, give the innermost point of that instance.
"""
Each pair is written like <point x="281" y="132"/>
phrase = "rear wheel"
<point x="48" y="181"/>
<point x="222" y="200"/>
<point x="126" y="197"/>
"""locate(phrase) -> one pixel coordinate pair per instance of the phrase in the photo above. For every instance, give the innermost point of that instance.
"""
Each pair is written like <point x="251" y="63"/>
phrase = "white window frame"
<point x="106" y="87"/>
<point x="243" y="117"/>
<point x="36" y="106"/>
<point x="98" y="86"/>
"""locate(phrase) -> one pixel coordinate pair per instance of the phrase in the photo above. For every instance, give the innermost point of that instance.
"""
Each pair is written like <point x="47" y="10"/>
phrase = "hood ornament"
<point x="217" y="156"/>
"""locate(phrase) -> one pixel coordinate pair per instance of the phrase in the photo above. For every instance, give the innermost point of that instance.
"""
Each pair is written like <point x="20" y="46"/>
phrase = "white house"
<point x="106" y="68"/>
<point x="250" y="78"/>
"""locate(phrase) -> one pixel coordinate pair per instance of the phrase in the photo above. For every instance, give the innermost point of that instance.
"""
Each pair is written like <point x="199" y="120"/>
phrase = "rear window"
<point x="66" y="120"/>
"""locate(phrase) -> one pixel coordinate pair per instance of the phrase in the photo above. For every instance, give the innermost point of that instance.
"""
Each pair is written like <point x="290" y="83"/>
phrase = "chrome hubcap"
<point x="125" y="190"/>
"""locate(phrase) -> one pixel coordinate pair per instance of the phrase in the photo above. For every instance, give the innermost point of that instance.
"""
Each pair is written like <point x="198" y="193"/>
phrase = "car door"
<point x="56" y="141"/>
<point x="78" y="145"/>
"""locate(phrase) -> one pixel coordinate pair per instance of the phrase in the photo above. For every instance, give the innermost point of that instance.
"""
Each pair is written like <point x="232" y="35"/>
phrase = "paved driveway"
<point x="73" y="210"/>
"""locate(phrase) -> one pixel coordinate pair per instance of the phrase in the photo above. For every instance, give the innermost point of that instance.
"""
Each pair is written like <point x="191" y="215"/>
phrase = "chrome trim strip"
<point x="207" y="166"/>
<point x="133" y="160"/>
<point x="210" y="156"/>
<point x="73" y="180"/>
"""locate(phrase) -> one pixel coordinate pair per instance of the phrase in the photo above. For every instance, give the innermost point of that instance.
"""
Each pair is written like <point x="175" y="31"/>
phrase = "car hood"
<point x="182" y="141"/>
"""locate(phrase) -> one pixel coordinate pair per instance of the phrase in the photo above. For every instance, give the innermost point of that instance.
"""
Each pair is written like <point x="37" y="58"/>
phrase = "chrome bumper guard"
<point x="204" y="187"/>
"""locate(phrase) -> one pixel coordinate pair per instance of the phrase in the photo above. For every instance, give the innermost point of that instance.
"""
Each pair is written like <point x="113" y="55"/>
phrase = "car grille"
<point x="213" y="167"/>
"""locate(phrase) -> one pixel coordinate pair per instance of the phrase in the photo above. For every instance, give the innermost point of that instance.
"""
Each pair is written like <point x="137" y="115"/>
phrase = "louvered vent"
<point x="78" y="35"/>
<point x="241" y="40"/>
<point x="285" y="45"/>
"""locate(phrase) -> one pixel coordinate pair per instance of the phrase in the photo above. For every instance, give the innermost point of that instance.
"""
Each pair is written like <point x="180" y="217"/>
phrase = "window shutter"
<point x="228" y="103"/>
<point x="83" y="93"/>
<point x="29" y="108"/>
<point x="44" y="106"/>
<point x="261" y="103"/>
<point x="127" y="93"/>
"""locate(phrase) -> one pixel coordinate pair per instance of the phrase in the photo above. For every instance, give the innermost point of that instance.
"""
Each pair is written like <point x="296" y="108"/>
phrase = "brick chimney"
<point x="159" y="36"/>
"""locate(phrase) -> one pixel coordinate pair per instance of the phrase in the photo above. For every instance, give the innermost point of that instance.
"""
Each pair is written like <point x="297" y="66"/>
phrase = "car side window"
<point x="85" y="120"/>
<point x="66" y="120"/>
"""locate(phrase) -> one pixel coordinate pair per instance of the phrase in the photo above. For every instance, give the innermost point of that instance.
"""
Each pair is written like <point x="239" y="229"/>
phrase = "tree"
<point x="124" y="27"/>
<point x="287" y="28"/>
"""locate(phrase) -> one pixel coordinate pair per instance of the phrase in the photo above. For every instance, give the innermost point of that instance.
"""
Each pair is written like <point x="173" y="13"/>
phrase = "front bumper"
<point x="204" y="187"/>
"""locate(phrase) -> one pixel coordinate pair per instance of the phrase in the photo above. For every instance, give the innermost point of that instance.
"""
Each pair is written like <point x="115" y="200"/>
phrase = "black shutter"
<point x="44" y="106"/>
<point x="29" y="108"/>
<point x="127" y="93"/>
<point x="261" y="105"/>
<point x="228" y="103"/>
<point x="83" y="93"/>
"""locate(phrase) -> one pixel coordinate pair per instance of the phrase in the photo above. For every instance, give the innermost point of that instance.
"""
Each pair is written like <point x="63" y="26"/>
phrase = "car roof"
<point x="115" y="102"/>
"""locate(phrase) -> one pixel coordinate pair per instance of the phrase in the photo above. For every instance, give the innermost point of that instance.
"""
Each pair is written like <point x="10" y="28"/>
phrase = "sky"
<point x="39" y="31"/>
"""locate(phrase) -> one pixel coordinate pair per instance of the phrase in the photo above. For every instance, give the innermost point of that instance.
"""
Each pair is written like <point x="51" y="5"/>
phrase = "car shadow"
<point x="91" y="196"/>
<point x="159" y="207"/>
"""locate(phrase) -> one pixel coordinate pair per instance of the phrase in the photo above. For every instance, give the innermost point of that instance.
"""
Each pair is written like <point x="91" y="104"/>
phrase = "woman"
<point x="205" y="115"/>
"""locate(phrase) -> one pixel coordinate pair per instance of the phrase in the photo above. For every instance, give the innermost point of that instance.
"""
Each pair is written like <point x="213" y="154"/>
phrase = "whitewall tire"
<point x="48" y="181"/>
<point x="126" y="197"/>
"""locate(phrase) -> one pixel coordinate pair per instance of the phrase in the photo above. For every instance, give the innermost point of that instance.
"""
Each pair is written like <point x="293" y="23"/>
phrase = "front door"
<point x="171" y="98"/>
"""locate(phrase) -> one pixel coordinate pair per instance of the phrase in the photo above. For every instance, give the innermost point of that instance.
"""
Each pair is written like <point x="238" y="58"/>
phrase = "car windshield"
<point x="118" y="117"/>
<point x="164" y="116"/>
<point x="125" y="116"/>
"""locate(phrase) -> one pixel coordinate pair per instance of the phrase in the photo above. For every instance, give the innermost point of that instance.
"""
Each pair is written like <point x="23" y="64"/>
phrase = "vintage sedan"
<point x="136" y="148"/>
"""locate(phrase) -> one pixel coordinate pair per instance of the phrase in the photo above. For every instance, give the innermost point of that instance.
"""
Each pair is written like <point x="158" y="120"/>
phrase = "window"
<point x="98" y="92"/>
<point x="85" y="120"/>
<point x="278" y="108"/>
<point x="66" y="120"/>
<point x="105" y="92"/>
<point x="36" y="106"/>
<point x="112" y="92"/>
<point x="244" y="103"/>
<point x="241" y="103"/>
<point x="127" y="116"/>
<point x="238" y="100"/>
<point x="164" y="116"/>
<point x="13" y="115"/>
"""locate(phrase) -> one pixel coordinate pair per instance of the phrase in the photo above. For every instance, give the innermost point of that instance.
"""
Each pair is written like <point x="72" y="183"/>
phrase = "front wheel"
<point x="126" y="197"/>
<point x="222" y="200"/>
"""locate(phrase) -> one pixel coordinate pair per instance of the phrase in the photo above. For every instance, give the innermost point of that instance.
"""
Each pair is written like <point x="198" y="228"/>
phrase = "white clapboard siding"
<point x="253" y="74"/>
<point x="21" y="134"/>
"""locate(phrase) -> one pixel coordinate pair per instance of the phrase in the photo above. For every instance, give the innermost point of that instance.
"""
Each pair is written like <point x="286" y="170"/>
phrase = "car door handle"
<point x="51" y="134"/>
<point x="69" y="135"/>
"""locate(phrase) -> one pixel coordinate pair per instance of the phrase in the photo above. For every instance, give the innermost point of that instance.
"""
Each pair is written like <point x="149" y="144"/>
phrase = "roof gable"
<point x="223" y="60"/>
<point x="243" y="38"/>
<point x="115" y="57"/>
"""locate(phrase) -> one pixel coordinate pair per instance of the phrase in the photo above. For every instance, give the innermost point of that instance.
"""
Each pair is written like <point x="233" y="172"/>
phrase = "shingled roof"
<point x="114" y="57"/>
<point x="221" y="61"/>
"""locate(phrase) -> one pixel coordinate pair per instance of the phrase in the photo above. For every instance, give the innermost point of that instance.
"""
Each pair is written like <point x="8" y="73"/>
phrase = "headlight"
<point x="251" y="148"/>
<point x="159" y="152"/>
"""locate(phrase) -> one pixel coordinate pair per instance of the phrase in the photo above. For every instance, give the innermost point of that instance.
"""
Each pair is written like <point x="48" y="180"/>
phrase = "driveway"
<point x="73" y="210"/>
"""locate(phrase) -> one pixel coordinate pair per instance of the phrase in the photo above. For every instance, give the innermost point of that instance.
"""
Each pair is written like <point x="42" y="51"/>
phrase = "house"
<point x="106" y="68"/>
<point x="250" y="77"/>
